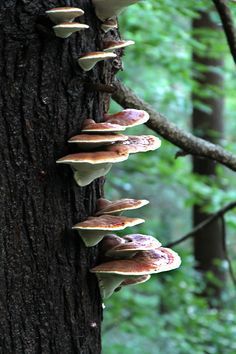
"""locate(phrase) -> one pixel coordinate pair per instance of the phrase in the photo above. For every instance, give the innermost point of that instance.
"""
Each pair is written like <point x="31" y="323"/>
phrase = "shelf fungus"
<point x="109" y="46"/>
<point x="66" y="29"/>
<point x="94" y="141"/>
<point x="112" y="274"/>
<point x="89" y="60"/>
<point x="109" y="25"/>
<point x="64" y="14"/>
<point x="88" y="166"/>
<point x="94" y="229"/>
<point x="140" y="143"/>
<point x="133" y="281"/>
<point x="105" y="206"/>
<point x="108" y="9"/>
<point x="90" y="126"/>
<point x="130" y="245"/>
<point x="127" y="118"/>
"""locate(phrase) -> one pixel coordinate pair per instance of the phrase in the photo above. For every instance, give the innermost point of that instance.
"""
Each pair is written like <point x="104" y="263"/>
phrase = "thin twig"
<point x="203" y="224"/>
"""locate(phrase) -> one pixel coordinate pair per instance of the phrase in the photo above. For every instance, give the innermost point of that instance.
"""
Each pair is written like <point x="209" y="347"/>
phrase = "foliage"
<point x="166" y="315"/>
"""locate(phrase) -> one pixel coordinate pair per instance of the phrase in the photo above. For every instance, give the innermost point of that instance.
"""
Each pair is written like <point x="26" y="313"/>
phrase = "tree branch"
<point x="184" y="140"/>
<point x="228" y="25"/>
<point x="203" y="224"/>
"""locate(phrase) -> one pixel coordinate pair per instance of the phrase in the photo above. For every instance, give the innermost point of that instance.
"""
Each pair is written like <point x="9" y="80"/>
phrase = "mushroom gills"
<point x="85" y="173"/>
<point x="92" y="237"/>
<point x="108" y="283"/>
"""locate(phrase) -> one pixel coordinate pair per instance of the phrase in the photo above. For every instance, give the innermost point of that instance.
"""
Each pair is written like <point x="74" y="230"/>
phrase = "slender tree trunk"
<point x="209" y="242"/>
<point x="49" y="302"/>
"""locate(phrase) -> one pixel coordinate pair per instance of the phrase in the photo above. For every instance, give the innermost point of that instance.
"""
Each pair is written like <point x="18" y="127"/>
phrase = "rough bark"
<point x="49" y="302"/>
<point x="209" y="241"/>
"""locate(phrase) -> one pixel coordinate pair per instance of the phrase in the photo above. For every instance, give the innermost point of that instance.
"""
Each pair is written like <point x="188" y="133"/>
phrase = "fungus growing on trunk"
<point x="140" y="143"/>
<point x="109" y="25"/>
<point x="93" y="141"/>
<point x="111" y="274"/>
<point x="95" y="228"/>
<point x="108" y="9"/>
<point x="88" y="166"/>
<point x="133" y="281"/>
<point x="90" y="126"/>
<point x="105" y="206"/>
<point x="127" y="118"/>
<point x="109" y="46"/>
<point x="64" y="14"/>
<point x="66" y="29"/>
<point x="89" y="60"/>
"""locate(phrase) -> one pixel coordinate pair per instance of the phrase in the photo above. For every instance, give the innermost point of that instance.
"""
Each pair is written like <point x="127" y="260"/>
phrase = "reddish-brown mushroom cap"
<point x="105" y="206"/>
<point x="113" y="45"/>
<point x="136" y="280"/>
<point x="90" y="126"/>
<point x="93" y="141"/>
<point x="144" y="262"/>
<point x="128" y="117"/>
<point x="140" y="143"/>
<point x="132" y="244"/>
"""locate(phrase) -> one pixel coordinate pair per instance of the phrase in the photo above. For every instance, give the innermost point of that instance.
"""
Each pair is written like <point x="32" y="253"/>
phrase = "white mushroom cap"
<point x="64" y="14"/>
<point x="106" y="9"/>
<point x="89" y="60"/>
<point x="65" y="29"/>
<point x="109" y="46"/>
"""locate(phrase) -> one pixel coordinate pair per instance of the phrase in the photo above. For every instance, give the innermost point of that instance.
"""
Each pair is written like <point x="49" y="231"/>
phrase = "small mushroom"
<point x="109" y="25"/>
<point x="64" y="14"/>
<point x="140" y="143"/>
<point x="127" y="118"/>
<point x="105" y="206"/>
<point x="90" y="126"/>
<point x="109" y="46"/>
<point x="93" y="141"/>
<point x="66" y="29"/>
<point x="106" y="10"/>
<point x="89" y="60"/>
<point x="88" y="166"/>
<point x="94" y="229"/>
<point x="131" y="245"/>
<point x="111" y="274"/>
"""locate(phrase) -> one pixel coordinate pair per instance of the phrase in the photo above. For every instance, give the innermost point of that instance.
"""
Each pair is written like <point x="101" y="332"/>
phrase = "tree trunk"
<point x="50" y="302"/>
<point x="209" y="242"/>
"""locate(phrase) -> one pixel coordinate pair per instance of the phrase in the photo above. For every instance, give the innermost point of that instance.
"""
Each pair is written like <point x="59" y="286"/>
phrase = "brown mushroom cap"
<point x="136" y="280"/>
<point x="113" y="45"/>
<point x="107" y="223"/>
<point x="93" y="141"/>
<point x="140" y="143"/>
<point x="106" y="10"/>
<point x="90" y="126"/>
<point x="64" y="14"/>
<point x="66" y="29"/>
<point x="128" y="117"/>
<point x="132" y="244"/>
<point x="144" y="262"/>
<point x="88" y="60"/>
<point x="105" y="206"/>
<point x="109" y="24"/>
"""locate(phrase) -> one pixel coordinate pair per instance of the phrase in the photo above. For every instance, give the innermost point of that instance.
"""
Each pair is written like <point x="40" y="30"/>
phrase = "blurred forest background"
<point x="171" y="313"/>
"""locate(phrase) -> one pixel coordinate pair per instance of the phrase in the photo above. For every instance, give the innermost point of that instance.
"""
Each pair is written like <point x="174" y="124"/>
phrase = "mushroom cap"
<point x="107" y="223"/>
<point x="105" y="206"/>
<point x="113" y="45"/>
<point x="90" y="126"/>
<point x="140" y="143"/>
<point x="109" y="24"/>
<point x="65" y="29"/>
<point x="132" y="244"/>
<point x="63" y="14"/>
<point x="92" y="141"/>
<point x="88" y="60"/>
<point x="136" y="280"/>
<point x="105" y="10"/>
<point x="128" y="117"/>
<point x="97" y="157"/>
<point x="144" y="262"/>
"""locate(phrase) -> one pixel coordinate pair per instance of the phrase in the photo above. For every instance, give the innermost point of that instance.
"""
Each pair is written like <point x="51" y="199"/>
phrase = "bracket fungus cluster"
<point x="63" y="18"/>
<point x="101" y="146"/>
<point x="131" y="259"/>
